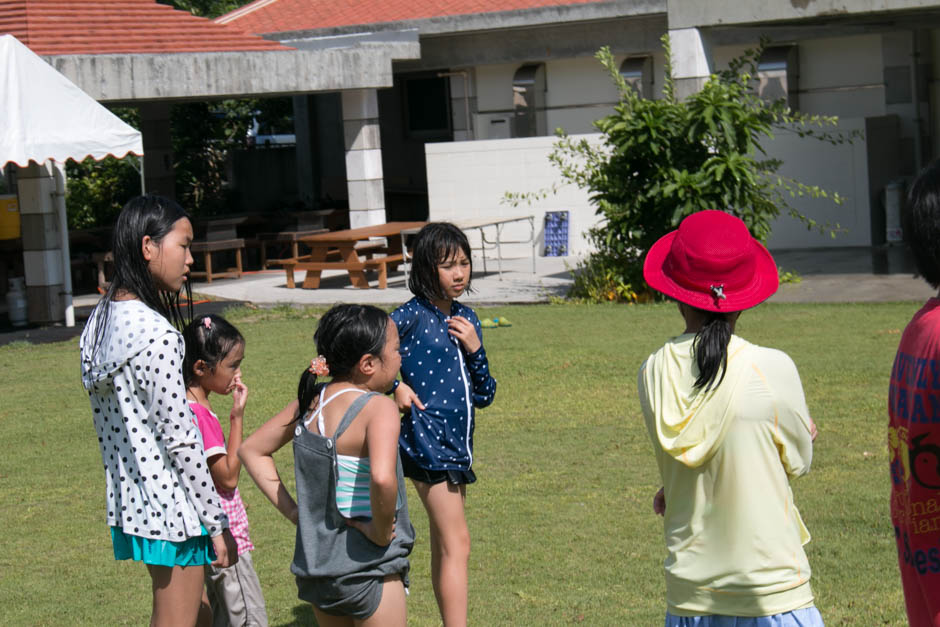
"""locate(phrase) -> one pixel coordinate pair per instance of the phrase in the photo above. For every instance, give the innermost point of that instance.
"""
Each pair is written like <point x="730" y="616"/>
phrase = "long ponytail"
<point x="711" y="350"/>
<point x="308" y="389"/>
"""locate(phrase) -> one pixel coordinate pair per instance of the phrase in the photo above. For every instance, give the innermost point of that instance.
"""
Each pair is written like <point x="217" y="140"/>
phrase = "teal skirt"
<point x="195" y="551"/>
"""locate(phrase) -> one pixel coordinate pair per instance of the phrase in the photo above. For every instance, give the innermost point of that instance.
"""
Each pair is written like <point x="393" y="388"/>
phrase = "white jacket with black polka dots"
<point x="158" y="481"/>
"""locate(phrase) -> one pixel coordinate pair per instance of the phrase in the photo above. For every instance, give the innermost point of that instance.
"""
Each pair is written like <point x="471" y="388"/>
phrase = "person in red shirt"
<point x="914" y="416"/>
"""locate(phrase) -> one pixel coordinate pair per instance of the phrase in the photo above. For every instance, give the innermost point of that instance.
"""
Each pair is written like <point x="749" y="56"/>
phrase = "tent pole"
<point x="59" y="197"/>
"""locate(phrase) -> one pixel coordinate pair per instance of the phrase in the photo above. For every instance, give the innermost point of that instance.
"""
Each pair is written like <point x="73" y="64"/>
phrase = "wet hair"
<point x="920" y="220"/>
<point x="345" y="333"/>
<point x="148" y="215"/>
<point x="210" y="342"/>
<point x="710" y="347"/>
<point x="434" y="244"/>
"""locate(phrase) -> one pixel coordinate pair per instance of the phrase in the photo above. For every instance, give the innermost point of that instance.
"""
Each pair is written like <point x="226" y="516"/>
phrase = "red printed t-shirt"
<point x="914" y="450"/>
<point x="214" y="441"/>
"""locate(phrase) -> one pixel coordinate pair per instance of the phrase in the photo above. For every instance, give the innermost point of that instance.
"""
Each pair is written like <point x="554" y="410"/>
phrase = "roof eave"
<point x="501" y="20"/>
<point x="209" y="75"/>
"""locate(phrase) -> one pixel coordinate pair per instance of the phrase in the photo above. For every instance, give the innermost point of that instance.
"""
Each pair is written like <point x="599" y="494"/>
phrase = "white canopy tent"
<point x="46" y="117"/>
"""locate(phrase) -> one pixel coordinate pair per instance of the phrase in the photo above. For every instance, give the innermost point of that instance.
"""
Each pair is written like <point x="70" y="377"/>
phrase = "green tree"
<point x="662" y="160"/>
<point x="205" y="8"/>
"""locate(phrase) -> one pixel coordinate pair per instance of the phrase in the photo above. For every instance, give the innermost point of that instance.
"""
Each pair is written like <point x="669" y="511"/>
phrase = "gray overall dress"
<point x="338" y="569"/>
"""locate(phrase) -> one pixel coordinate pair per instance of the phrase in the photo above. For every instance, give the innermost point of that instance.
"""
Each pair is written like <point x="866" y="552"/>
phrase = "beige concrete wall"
<point x="842" y="169"/>
<point x="579" y="91"/>
<point x="467" y="180"/>
<point x="840" y="76"/>
<point x="695" y="13"/>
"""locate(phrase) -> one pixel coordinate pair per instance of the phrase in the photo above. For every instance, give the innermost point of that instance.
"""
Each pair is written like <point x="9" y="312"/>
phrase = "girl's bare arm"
<point x="226" y="468"/>
<point x="257" y="454"/>
<point x="382" y="441"/>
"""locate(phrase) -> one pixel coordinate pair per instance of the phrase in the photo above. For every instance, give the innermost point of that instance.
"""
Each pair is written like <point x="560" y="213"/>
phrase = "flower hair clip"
<point x="207" y="322"/>
<point x="318" y="366"/>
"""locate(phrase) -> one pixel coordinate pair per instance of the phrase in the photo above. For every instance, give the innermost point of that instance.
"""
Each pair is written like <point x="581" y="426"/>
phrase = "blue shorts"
<point x="195" y="551"/>
<point x="806" y="617"/>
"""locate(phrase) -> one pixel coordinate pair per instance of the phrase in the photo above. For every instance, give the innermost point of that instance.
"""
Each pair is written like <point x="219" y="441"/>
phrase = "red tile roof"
<point x="276" y="16"/>
<point x="59" y="27"/>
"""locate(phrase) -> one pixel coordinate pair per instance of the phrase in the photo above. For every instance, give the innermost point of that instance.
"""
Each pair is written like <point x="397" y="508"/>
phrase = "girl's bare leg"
<point x="177" y="595"/>
<point x="205" y="610"/>
<point x="329" y="620"/>
<point x="450" y="548"/>
<point x="392" y="611"/>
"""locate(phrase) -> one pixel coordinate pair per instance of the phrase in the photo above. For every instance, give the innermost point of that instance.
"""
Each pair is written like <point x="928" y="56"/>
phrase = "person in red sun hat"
<point x="730" y="428"/>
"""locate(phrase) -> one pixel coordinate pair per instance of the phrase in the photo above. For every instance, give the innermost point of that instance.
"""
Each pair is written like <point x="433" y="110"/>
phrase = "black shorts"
<point x="417" y="473"/>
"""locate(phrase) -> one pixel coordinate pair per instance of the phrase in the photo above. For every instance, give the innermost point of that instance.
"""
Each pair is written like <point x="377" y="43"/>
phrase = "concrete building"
<point x="142" y="54"/>
<point x="472" y="117"/>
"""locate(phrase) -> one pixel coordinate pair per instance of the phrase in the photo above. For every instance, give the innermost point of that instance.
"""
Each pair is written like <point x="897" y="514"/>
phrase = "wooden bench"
<point x="368" y="249"/>
<point x="206" y="248"/>
<point x="283" y="238"/>
<point x="375" y="263"/>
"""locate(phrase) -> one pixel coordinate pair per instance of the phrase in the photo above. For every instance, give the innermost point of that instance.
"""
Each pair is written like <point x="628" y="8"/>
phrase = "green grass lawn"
<point x="562" y="526"/>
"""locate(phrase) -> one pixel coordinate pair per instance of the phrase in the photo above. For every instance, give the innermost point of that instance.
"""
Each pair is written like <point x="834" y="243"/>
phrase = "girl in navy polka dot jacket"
<point x="163" y="509"/>
<point x="445" y="376"/>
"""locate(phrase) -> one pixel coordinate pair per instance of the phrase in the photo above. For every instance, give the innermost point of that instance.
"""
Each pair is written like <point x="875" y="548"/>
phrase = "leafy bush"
<point x="662" y="160"/>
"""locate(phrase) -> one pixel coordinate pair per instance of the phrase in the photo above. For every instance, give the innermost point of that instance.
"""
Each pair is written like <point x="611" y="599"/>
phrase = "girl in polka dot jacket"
<point x="445" y="376"/>
<point x="162" y="507"/>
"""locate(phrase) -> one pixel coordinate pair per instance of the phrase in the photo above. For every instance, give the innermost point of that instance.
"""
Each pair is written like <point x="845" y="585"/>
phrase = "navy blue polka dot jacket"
<point x="449" y="382"/>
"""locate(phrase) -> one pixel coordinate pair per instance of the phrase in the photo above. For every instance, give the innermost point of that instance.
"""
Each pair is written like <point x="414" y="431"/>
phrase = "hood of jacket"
<point x="691" y="423"/>
<point x="132" y="328"/>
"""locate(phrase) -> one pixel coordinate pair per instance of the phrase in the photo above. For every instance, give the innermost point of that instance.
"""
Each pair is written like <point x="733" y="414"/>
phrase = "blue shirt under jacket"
<point x="449" y="382"/>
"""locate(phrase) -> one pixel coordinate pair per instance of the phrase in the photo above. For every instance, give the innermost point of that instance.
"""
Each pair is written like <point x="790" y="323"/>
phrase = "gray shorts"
<point x="355" y="596"/>
<point x="235" y="595"/>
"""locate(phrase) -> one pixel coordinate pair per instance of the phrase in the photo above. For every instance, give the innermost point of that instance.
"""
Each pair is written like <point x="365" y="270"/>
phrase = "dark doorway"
<point x="415" y="111"/>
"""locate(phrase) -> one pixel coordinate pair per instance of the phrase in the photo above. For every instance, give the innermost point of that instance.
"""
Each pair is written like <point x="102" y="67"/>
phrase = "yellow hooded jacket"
<point x="733" y="534"/>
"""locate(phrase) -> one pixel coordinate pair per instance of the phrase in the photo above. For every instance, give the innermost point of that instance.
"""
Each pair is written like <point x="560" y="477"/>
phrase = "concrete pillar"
<point x="308" y="174"/>
<point x="364" y="179"/>
<point x="155" y="127"/>
<point x="691" y="60"/>
<point x="42" y="251"/>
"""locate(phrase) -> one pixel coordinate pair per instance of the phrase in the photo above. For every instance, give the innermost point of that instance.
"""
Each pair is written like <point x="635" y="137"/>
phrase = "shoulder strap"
<point x="352" y="412"/>
<point x="314" y="413"/>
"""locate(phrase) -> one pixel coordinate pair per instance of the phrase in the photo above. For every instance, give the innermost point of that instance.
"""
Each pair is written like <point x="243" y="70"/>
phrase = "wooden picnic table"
<point x="349" y="244"/>
<point x="287" y="237"/>
<point x="493" y="241"/>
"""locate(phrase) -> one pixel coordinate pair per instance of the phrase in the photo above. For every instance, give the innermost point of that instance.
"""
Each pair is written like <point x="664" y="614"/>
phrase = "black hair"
<point x="345" y="333"/>
<point x="210" y="342"/>
<point x="920" y="221"/>
<point x="149" y="215"/>
<point x="711" y="349"/>
<point x="434" y="244"/>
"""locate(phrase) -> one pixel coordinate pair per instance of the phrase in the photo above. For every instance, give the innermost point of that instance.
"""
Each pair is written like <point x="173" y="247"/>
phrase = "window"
<point x="427" y="107"/>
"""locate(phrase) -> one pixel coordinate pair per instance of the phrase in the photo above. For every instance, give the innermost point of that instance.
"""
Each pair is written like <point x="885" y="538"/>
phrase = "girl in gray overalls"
<point x="353" y="531"/>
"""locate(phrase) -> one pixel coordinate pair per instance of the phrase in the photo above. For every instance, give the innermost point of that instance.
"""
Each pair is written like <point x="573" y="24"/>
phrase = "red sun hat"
<point x="711" y="262"/>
